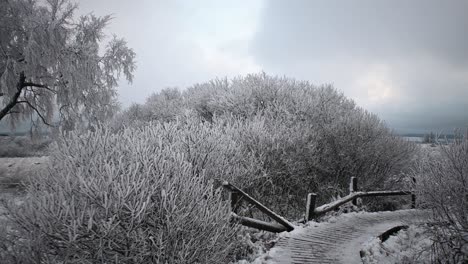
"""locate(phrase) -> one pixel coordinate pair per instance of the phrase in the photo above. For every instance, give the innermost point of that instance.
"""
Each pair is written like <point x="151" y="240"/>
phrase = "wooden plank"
<point x="331" y="206"/>
<point x="258" y="224"/>
<point x="288" y="225"/>
<point x="310" y="207"/>
<point x="353" y="188"/>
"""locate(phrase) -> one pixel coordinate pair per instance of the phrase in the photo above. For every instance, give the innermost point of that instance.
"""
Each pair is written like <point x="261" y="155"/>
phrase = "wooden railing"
<point x="312" y="212"/>
<point x="237" y="194"/>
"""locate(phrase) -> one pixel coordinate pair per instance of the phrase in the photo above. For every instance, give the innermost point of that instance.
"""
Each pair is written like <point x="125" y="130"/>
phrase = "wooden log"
<point x="331" y="206"/>
<point x="288" y="225"/>
<point x="386" y="235"/>
<point x="384" y="193"/>
<point x="234" y="197"/>
<point x="353" y="188"/>
<point x="310" y="208"/>
<point x="258" y="224"/>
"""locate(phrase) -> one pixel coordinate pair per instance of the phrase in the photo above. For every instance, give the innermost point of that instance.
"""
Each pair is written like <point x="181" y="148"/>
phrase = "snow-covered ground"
<point x="412" y="245"/>
<point x="338" y="240"/>
<point x="12" y="172"/>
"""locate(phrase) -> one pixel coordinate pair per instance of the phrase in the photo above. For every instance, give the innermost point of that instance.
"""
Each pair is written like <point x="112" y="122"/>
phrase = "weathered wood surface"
<point x="339" y="242"/>
<point x="288" y="225"/>
<point x="259" y="224"/>
<point x="352" y="196"/>
<point x="353" y="188"/>
<point x="310" y="206"/>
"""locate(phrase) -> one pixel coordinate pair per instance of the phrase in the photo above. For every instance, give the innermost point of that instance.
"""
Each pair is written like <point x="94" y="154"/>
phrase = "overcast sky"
<point x="406" y="61"/>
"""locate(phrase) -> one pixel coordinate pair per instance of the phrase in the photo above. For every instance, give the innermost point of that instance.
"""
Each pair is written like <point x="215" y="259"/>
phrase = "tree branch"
<point x="38" y="85"/>
<point x="37" y="112"/>
<point x="13" y="112"/>
<point x="14" y="98"/>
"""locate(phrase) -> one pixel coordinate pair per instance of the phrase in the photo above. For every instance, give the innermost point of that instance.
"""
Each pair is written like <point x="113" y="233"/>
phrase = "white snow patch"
<point x="407" y="246"/>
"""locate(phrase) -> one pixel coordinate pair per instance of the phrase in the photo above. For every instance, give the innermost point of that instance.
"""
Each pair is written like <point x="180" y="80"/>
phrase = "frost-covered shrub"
<point x="442" y="184"/>
<point x="136" y="115"/>
<point x="302" y="138"/>
<point x="307" y="138"/>
<point x="142" y="195"/>
<point x="165" y="105"/>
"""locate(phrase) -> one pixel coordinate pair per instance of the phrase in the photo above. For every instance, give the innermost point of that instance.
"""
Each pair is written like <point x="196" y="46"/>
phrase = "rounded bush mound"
<point x="297" y="137"/>
<point x="308" y="138"/>
<point x="135" y="196"/>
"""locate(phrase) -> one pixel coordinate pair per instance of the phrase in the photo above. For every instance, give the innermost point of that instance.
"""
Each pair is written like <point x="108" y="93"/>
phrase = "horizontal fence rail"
<point x="236" y="192"/>
<point x="331" y="206"/>
<point x="312" y="212"/>
<point x="259" y="224"/>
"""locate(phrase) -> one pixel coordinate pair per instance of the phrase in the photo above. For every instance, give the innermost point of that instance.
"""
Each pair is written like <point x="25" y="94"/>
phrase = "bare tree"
<point x="52" y="63"/>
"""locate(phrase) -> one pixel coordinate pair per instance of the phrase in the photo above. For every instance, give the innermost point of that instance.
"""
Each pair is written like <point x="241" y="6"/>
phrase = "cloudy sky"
<point x="407" y="61"/>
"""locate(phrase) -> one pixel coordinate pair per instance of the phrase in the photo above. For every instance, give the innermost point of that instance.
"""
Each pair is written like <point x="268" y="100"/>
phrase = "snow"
<point x="12" y="172"/>
<point x="407" y="246"/>
<point x="350" y="253"/>
<point x="261" y="242"/>
<point x="347" y="253"/>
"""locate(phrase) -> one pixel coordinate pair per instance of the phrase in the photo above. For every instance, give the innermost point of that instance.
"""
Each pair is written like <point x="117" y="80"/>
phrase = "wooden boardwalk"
<point x="340" y="241"/>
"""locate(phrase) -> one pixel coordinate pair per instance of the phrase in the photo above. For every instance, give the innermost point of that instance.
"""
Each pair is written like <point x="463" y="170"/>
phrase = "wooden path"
<point x="339" y="242"/>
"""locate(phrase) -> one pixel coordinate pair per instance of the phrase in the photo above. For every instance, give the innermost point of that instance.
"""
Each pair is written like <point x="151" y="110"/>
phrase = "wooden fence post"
<point x="353" y="188"/>
<point x="310" y="209"/>
<point x="245" y="197"/>
<point x="235" y="201"/>
<point x="413" y="195"/>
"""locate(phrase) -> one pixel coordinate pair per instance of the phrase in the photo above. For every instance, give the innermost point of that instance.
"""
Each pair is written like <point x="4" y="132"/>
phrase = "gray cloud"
<point x="371" y="28"/>
<point x="405" y="60"/>
<point x="178" y="43"/>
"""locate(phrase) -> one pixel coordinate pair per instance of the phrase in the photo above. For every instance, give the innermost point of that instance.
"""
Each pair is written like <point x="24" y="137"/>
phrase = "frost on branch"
<point x="53" y="66"/>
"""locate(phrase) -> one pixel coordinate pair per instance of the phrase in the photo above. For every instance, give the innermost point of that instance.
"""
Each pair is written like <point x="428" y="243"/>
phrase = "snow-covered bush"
<point x="165" y="105"/>
<point x="133" y="116"/>
<point x="303" y="138"/>
<point x="442" y="184"/>
<point x="142" y="195"/>
<point x="310" y="139"/>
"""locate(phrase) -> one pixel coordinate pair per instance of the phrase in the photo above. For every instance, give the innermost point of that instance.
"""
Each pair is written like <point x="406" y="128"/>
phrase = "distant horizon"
<point x="23" y="128"/>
